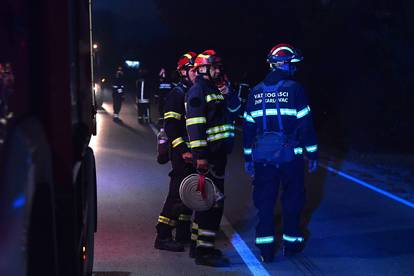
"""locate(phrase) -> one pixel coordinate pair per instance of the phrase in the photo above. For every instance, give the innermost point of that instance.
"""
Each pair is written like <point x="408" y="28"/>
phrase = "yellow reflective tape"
<point x="194" y="226"/>
<point x="203" y="56"/>
<point x="204" y="244"/>
<point x="166" y="220"/>
<point x="172" y="114"/>
<point x="194" y="237"/>
<point x="188" y="56"/>
<point x="198" y="143"/>
<point x="220" y="136"/>
<point x="221" y="128"/>
<point x="214" y="97"/>
<point x="195" y="120"/>
<point x="184" y="217"/>
<point x="177" y="142"/>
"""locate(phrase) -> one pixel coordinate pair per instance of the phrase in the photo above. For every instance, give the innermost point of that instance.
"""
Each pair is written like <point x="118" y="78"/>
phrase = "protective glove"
<point x="188" y="157"/>
<point x="202" y="166"/>
<point x="312" y="166"/>
<point x="249" y="168"/>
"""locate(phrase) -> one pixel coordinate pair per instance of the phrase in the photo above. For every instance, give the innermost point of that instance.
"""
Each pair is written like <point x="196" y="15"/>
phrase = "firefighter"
<point x="118" y="92"/>
<point x="297" y="123"/>
<point x="174" y="214"/>
<point x="210" y="115"/>
<point x="164" y="87"/>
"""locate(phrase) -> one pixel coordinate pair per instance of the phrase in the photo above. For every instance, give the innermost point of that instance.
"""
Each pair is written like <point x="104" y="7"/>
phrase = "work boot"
<point x="211" y="257"/>
<point x="192" y="251"/>
<point x="293" y="248"/>
<point x="168" y="244"/>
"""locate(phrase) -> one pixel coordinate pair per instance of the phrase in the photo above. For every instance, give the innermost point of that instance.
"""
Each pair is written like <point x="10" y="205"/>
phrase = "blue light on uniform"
<point x="19" y="202"/>
<point x="247" y="151"/>
<point x="303" y="112"/>
<point x="298" y="150"/>
<point x="262" y="240"/>
<point x="312" y="148"/>
<point x="248" y="118"/>
<point x="292" y="239"/>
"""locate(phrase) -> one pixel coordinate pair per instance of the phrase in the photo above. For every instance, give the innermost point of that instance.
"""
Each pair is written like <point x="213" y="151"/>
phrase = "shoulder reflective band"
<point x="262" y="240"/>
<point x="303" y="112"/>
<point x="183" y="217"/>
<point x="208" y="233"/>
<point x="166" y="220"/>
<point x="177" y="142"/>
<point x="218" y="129"/>
<point x="215" y="137"/>
<point x="248" y="118"/>
<point x="292" y="239"/>
<point x="198" y="143"/>
<point x="172" y="114"/>
<point x="247" y="151"/>
<point x="273" y="111"/>
<point x="195" y="120"/>
<point x="298" y="150"/>
<point x="235" y="109"/>
<point x="312" y="148"/>
<point x="213" y="97"/>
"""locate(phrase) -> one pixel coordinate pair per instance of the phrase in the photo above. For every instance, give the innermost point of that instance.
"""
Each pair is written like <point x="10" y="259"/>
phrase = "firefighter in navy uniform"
<point x="164" y="87"/>
<point x="174" y="214"/>
<point x="210" y="115"/>
<point x="296" y="120"/>
<point x="118" y="92"/>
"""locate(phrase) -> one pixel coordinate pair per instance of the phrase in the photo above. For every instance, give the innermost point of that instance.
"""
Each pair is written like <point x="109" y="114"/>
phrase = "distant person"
<point x="174" y="213"/>
<point x="210" y="115"/>
<point x="277" y="131"/>
<point x="164" y="87"/>
<point x="118" y="92"/>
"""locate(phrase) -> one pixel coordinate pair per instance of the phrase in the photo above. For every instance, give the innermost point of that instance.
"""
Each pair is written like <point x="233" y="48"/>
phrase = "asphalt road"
<point x="351" y="230"/>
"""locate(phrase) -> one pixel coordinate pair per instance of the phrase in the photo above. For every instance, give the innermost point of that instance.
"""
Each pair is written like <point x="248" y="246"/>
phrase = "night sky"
<point x="358" y="66"/>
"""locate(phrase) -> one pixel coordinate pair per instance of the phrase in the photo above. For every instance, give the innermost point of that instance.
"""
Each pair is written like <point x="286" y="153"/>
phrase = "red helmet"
<point x="208" y="57"/>
<point x="284" y="52"/>
<point x="186" y="61"/>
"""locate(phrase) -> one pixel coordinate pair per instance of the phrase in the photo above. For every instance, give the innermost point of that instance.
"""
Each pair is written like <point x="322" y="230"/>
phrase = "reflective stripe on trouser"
<point x="173" y="207"/>
<point x="266" y="187"/>
<point x="209" y="221"/>
<point x="194" y="232"/>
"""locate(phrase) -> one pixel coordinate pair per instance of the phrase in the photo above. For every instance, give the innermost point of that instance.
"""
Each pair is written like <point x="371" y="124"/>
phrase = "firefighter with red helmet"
<point x="174" y="214"/>
<point x="210" y="116"/>
<point x="278" y="106"/>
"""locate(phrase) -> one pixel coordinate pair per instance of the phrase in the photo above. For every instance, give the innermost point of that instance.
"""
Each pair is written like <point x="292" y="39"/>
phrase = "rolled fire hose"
<point x="198" y="192"/>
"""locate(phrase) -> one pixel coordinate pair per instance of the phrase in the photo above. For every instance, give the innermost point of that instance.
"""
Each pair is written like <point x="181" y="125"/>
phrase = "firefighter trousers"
<point x="207" y="223"/>
<point x="174" y="213"/>
<point x="117" y="101"/>
<point x="267" y="181"/>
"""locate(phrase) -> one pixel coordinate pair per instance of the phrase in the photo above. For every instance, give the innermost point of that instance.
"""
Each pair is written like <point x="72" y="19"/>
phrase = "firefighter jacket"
<point x="295" y="113"/>
<point x="210" y="118"/>
<point x="174" y="118"/>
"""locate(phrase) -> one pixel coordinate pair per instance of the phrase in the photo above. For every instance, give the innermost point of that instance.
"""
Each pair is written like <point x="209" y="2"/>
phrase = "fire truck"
<point x="48" y="202"/>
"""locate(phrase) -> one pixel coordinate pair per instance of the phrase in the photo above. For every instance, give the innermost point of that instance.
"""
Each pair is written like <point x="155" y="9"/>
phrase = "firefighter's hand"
<point x="313" y="166"/>
<point x="188" y="157"/>
<point x="202" y="166"/>
<point x="249" y="168"/>
<point x="224" y="89"/>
